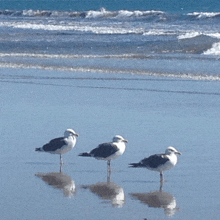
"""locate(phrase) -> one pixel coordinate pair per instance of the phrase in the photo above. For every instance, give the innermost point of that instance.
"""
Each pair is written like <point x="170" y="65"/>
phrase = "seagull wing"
<point x="104" y="150"/>
<point x="54" y="144"/>
<point x="154" y="161"/>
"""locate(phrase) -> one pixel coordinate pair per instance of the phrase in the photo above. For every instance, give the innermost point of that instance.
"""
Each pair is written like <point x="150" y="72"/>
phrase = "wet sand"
<point x="152" y="113"/>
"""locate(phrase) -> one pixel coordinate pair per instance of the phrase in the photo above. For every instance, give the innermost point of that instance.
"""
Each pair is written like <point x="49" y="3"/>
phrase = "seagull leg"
<point x="108" y="170"/>
<point x="109" y="165"/>
<point x="161" y="177"/>
<point x="109" y="176"/>
<point x="61" y="160"/>
<point x="61" y="166"/>
<point x="161" y="186"/>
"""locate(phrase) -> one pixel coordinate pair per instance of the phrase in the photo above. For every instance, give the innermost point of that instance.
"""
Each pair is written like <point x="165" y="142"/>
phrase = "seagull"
<point x="60" y="145"/>
<point x="108" y="151"/>
<point x="159" y="162"/>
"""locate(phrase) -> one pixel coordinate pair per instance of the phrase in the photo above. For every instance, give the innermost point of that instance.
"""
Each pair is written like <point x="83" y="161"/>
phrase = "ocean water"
<point x="109" y="35"/>
<point x="148" y="71"/>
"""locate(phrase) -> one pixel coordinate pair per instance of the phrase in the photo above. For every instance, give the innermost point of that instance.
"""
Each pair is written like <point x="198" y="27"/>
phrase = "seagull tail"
<point x="85" y="154"/>
<point x="134" y="165"/>
<point x="38" y="149"/>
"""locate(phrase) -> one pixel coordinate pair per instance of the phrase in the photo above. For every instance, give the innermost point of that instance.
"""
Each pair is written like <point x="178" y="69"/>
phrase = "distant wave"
<point x="102" y="13"/>
<point x="188" y="35"/>
<point x="101" y="28"/>
<point x="79" y="27"/>
<point x="106" y="14"/>
<point x="193" y="34"/>
<point x="204" y="15"/>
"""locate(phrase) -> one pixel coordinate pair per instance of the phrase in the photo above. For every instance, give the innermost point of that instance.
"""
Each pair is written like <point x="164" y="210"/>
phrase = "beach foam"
<point x="215" y="50"/>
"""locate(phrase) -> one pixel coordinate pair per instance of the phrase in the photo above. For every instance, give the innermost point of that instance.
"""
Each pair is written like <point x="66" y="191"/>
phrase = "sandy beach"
<point x="151" y="112"/>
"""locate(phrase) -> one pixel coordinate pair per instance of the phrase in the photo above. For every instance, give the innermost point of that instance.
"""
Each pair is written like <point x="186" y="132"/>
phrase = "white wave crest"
<point x="99" y="14"/>
<point x="193" y="34"/>
<point x="189" y="35"/>
<point x="121" y="14"/>
<point x="31" y="13"/>
<point x="204" y="14"/>
<point x="214" y="35"/>
<point x="137" y="13"/>
<point x="159" y="32"/>
<point x="87" y="27"/>
<point x="91" y="14"/>
<point x="215" y="50"/>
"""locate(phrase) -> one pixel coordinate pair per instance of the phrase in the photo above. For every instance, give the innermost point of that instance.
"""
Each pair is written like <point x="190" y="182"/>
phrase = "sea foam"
<point x="215" y="50"/>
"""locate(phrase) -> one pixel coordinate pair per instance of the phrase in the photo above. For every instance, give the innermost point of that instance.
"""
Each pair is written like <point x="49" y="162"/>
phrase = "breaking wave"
<point x="74" y="27"/>
<point x="106" y="14"/>
<point x="215" y="50"/>
<point x="102" y="13"/>
<point x="193" y="34"/>
<point x="204" y="15"/>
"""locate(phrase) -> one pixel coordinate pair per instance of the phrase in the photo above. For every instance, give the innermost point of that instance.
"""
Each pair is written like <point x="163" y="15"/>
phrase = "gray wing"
<point x="104" y="150"/>
<point x="154" y="161"/>
<point x="54" y="144"/>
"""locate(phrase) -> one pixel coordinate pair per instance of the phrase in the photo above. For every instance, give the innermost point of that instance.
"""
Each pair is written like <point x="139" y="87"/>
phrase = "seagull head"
<point x="172" y="150"/>
<point x="119" y="138"/>
<point x="70" y="132"/>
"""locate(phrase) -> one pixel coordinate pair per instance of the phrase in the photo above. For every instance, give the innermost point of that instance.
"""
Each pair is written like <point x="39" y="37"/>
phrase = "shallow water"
<point x="152" y="113"/>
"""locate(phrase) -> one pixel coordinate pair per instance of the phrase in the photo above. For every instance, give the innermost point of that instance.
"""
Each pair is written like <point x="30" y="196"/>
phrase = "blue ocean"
<point x="112" y="36"/>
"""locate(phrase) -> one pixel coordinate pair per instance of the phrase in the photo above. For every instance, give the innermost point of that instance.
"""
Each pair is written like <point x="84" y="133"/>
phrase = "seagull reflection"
<point x="59" y="180"/>
<point x="108" y="191"/>
<point x="158" y="199"/>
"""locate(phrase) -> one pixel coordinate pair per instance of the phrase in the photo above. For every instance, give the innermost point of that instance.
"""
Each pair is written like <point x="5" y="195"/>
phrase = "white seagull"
<point x="108" y="151"/>
<point x="60" y="145"/>
<point x="159" y="162"/>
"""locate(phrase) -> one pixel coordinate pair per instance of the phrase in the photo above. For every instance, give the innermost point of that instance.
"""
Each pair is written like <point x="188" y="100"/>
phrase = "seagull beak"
<point x="77" y="135"/>
<point x="126" y="141"/>
<point x="178" y="153"/>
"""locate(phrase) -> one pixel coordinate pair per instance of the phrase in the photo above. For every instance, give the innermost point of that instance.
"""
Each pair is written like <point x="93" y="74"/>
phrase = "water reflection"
<point x="158" y="199"/>
<point x="60" y="181"/>
<point x="108" y="191"/>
